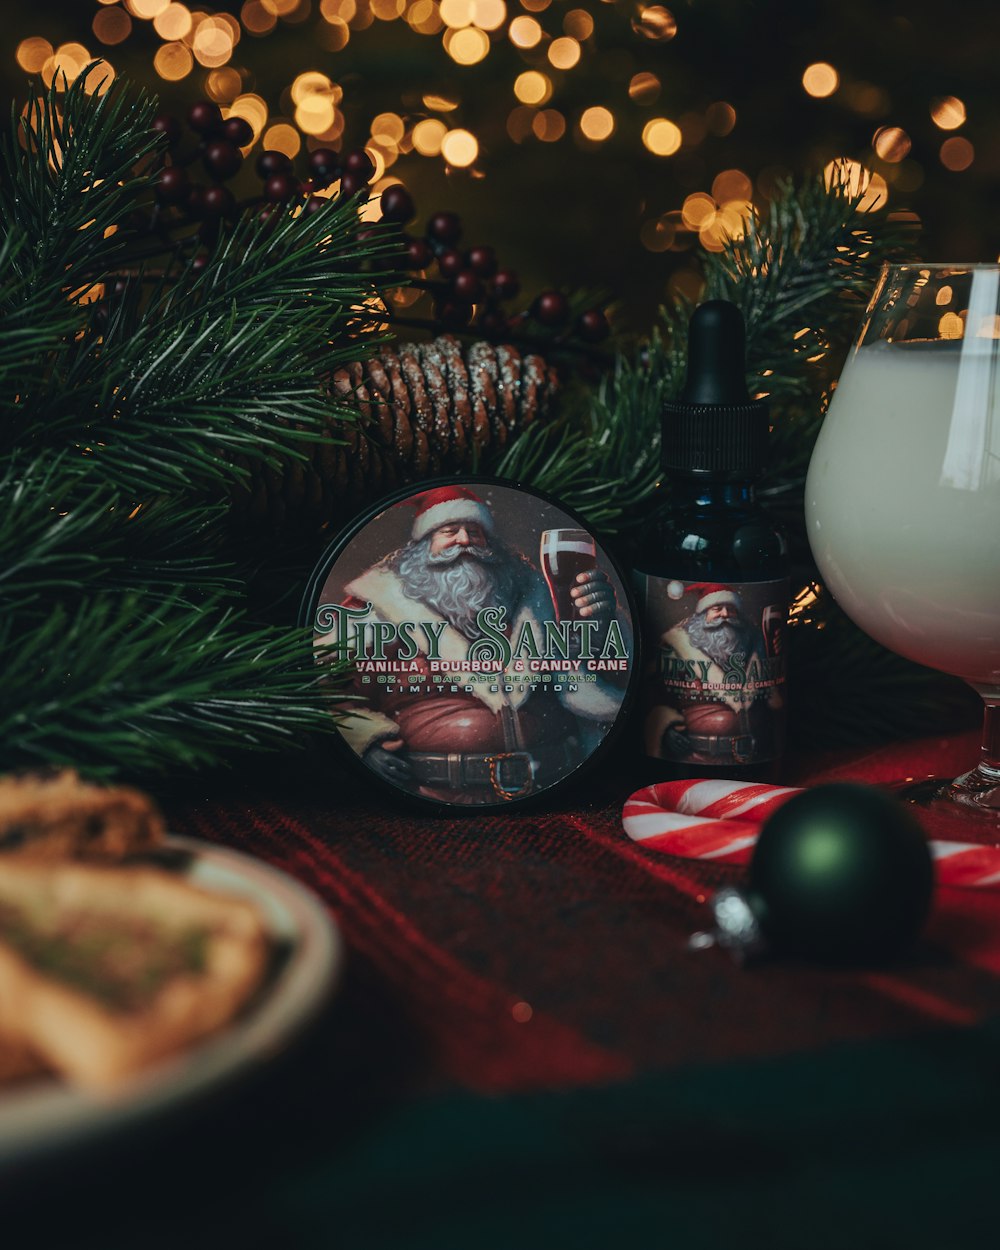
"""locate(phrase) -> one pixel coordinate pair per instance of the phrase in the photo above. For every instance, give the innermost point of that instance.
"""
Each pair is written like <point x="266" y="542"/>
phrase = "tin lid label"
<point x="488" y="640"/>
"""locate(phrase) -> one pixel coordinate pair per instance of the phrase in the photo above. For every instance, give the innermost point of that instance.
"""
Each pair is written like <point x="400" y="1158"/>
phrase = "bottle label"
<point x="713" y="689"/>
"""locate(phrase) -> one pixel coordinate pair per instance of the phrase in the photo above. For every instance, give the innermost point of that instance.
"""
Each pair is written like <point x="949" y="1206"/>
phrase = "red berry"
<point x="219" y="202"/>
<point x="200" y="261"/>
<point x="359" y="162"/>
<point x="194" y="201"/>
<point x="271" y="162"/>
<point x="171" y="185"/>
<point x="205" y="117"/>
<point x="451" y="262"/>
<point x="222" y="158"/>
<point x="506" y="284"/>
<point x="279" y="188"/>
<point x="351" y="182"/>
<point x="238" y="130"/>
<point x="454" y="315"/>
<point x="418" y="254"/>
<point x="592" y="326"/>
<point x="324" y="166"/>
<point x="552" y="308"/>
<point x="493" y="324"/>
<point x="169" y="126"/>
<point x="445" y="228"/>
<point x="397" y="204"/>
<point x="467" y="286"/>
<point x="316" y="204"/>
<point x="483" y="260"/>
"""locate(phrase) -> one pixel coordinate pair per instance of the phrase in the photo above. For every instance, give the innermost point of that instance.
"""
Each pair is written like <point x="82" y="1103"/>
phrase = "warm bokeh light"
<point x="948" y="113"/>
<point x="549" y="125"/>
<point x="252" y="108"/>
<point x="657" y="235"/>
<point x="720" y="118"/>
<point x="597" y="124"/>
<point x="256" y="18"/>
<point x="655" y="23"/>
<point x="173" y="62"/>
<point x="427" y="136"/>
<point x="70" y="59"/>
<point x="334" y="35"/>
<point x="661" y="136"/>
<point x="146" y="9"/>
<point x="387" y="10"/>
<point x="524" y="32"/>
<point x="579" y="24"/>
<point x="213" y="42"/>
<point x="857" y="180"/>
<point x="33" y="53"/>
<point x="644" y="88"/>
<point x="311" y="82"/>
<point x="223" y="85"/>
<point x="281" y="8"/>
<point x="957" y="154"/>
<point x="174" y="22"/>
<point x="388" y="129"/>
<point x="535" y="6"/>
<point x="731" y="184"/>
<point x="112" y="26"/>
<point x="531" y="87"/>
<point x="440" y="103"/>
<point x="698" y="210"/>
<point x="490" y="14"/>
<point x="891" y="144"/>
<point x="457" y="13"/>
<point x="467" y="46"/>
<point x="820" y="80"/>
<point x="459" y="148"/>
<point x="283" y="138"/>
<point x="564" y="52"/>
<point x="424" y="17"/>
<point x="519" y="123"/>
<point x="315" y="114"/>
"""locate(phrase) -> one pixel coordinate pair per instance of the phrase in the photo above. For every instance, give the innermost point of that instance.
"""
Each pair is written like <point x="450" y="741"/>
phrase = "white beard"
<point x="459" y="582"/>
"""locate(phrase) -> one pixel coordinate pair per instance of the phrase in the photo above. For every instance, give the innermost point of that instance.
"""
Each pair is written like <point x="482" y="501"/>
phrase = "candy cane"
<point x="720" y="820"/>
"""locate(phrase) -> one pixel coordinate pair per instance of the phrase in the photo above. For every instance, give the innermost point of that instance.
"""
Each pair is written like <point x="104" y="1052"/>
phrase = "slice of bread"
<point x="104" y="970"/>
<point x="58" y="816"/>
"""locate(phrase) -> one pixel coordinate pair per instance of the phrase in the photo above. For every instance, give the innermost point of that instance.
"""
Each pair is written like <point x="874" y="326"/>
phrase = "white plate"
<point x="44" y="1113"/>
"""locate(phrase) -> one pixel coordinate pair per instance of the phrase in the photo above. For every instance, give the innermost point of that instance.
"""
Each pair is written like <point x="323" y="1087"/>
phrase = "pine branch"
<point x="127" y="426"/>
<point x="138" y="688"/>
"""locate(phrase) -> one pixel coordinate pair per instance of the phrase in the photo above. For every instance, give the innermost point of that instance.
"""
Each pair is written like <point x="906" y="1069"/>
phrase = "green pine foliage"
<point x="125" y="642"/>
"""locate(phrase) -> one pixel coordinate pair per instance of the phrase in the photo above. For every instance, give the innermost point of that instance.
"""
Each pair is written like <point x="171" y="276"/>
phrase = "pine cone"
<point x="424" y="409"/>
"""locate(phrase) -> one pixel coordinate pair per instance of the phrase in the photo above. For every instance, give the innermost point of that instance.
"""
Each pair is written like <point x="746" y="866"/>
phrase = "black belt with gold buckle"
<point x="498" y="770"/>
<point x="739" y="746"/>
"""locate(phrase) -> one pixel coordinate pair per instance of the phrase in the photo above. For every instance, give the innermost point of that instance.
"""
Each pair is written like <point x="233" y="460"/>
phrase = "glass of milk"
<point x="903" y="492"/>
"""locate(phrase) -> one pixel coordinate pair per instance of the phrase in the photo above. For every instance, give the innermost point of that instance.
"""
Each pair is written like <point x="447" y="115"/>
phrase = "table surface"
<point x="524" y="1052"/>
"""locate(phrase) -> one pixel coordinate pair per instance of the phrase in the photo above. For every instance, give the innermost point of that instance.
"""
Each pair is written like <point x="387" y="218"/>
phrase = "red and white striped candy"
<point x="720" y="820"/>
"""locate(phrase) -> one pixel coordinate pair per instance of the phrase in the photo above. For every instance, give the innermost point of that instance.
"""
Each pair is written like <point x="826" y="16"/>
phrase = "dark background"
<point x="569" y="213"/>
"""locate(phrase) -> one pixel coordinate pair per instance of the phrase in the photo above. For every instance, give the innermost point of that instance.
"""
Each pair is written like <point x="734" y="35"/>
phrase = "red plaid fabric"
<point x="543" y="949"/>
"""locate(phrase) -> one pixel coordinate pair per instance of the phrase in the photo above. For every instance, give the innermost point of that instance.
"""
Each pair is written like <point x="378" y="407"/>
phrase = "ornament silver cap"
<point x="736" y="927"/>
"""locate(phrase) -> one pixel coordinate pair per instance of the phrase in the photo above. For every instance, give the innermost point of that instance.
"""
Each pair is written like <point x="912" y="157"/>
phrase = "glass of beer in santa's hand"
<point x="566" y="554"/>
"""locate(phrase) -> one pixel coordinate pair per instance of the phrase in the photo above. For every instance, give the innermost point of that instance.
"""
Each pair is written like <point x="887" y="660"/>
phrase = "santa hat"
<point x="448" y="505"/>
<point x="710" y="594"/>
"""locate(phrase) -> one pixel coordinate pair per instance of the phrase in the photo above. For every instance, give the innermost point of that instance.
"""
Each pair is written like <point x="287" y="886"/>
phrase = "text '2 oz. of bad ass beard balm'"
<point x="712" y="577"/>
<point x="480" y="644"/>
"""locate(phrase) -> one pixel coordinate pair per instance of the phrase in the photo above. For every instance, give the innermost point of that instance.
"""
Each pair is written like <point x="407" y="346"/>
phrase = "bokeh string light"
<point x="564" y="88"/>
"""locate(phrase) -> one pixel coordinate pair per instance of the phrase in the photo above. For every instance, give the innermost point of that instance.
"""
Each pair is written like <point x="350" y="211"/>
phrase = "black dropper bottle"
<point x="712" y="576"/>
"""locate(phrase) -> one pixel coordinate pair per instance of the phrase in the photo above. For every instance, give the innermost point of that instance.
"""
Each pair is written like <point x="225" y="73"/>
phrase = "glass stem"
<point x="989" y="762"/>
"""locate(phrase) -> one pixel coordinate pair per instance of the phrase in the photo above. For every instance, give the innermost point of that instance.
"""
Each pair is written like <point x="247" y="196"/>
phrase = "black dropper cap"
<point x="714" y="425"/>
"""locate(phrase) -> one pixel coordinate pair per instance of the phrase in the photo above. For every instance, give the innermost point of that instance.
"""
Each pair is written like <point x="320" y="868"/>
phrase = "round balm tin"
<point x="481" y="643"/>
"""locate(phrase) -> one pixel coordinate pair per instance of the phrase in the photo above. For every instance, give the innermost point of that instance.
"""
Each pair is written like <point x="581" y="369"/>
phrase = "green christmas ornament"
<point x="841" y="873"/>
